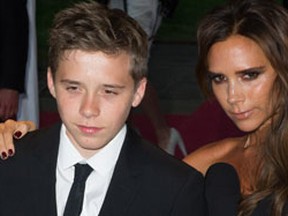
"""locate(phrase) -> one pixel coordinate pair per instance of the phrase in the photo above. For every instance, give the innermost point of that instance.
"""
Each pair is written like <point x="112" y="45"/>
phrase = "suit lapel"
<point x="46" y="156"/>
<point x="125" y="180"/>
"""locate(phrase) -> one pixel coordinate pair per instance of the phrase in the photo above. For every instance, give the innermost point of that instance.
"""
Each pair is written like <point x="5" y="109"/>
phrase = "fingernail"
<point x="10" y="152"/>
<point x="4" y="155"/>
<point x="17" y="134"/>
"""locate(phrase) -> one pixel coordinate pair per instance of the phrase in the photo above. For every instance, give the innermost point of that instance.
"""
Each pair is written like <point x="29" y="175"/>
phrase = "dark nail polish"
<point x="10" y="152"/>
<point x="4" y="155"/>
<point x="17" y="134"/>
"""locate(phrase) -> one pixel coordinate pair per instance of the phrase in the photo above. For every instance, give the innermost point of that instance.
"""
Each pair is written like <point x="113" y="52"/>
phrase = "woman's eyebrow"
<point x="260" y="68"/>
<point x="252" y="69"/>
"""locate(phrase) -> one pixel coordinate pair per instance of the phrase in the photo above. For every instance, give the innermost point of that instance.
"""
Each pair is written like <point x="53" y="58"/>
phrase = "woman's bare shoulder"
<point x="202" y="158"/>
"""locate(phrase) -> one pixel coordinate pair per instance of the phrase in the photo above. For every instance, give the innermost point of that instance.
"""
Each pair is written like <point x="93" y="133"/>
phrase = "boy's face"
<point x="94" y="93"/>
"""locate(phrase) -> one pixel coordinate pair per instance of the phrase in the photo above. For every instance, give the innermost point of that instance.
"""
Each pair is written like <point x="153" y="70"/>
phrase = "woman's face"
<point x="242" y="81"/>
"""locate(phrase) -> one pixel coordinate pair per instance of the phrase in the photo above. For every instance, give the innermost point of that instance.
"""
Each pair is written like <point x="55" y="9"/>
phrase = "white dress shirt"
<point x="103" y="164"/>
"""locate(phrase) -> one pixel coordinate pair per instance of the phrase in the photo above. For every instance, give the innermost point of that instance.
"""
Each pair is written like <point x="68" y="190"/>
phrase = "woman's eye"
<point x="251" y="75"/>
<point x="217" y="78"/>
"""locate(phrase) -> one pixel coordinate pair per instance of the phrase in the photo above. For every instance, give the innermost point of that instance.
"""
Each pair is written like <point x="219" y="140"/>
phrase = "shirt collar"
<point x="102" y="162"/>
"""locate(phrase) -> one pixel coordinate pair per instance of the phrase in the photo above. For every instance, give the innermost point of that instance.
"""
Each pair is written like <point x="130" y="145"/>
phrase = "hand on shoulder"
<point x="12" y="129"/>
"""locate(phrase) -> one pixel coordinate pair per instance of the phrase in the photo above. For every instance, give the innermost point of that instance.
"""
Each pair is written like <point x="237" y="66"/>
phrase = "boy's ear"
<point x="50" y="82"/>
<point x="139" y="93"/>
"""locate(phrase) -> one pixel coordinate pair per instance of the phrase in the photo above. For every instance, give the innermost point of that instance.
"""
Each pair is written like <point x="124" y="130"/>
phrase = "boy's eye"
<point x="110" y="92"/>
<point x="71" y="88"/>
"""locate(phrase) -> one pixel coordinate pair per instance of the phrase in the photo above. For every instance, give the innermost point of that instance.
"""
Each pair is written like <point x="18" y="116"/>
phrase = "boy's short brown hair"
<point x="92" y="27"/>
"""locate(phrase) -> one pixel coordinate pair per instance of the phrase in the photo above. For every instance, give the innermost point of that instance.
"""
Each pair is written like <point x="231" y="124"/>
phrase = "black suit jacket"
<point x="146" y="181"/>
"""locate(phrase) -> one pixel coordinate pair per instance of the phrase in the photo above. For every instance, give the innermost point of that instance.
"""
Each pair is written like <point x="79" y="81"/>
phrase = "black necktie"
<point x="76" y="194"/>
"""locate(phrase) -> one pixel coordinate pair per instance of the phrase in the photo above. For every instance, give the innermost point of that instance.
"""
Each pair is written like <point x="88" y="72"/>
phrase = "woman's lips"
<point x="241" y="115"/>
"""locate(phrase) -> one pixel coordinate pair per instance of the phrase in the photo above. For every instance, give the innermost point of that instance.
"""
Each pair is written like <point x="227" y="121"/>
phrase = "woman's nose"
<point x="235" y="93"/>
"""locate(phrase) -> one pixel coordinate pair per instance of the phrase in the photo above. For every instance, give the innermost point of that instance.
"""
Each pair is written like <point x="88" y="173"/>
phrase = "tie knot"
<point x="82" y="171"/>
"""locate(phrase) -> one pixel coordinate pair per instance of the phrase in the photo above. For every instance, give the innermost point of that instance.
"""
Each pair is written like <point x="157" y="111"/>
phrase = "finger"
<point x="31" y="125"/>
<point x="8" y="139"/>
<point x="3" y="149"/>
<point x="23" y="127"/>
<point x="10" y="125"/>
<point x="8" y="131"/>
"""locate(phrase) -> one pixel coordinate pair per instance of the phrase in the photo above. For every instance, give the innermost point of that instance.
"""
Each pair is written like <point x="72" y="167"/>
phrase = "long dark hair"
<point x="264" y="22"/>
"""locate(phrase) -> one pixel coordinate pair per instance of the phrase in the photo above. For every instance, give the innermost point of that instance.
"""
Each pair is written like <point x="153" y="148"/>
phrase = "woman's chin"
<point x="246" y="127"/>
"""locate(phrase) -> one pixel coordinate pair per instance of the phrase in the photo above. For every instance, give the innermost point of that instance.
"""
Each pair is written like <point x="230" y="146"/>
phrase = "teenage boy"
<point x="97" y="66"/>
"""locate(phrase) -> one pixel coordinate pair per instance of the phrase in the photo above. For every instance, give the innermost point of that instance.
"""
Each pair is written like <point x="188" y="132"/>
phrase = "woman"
<point x="243" y="63"/>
